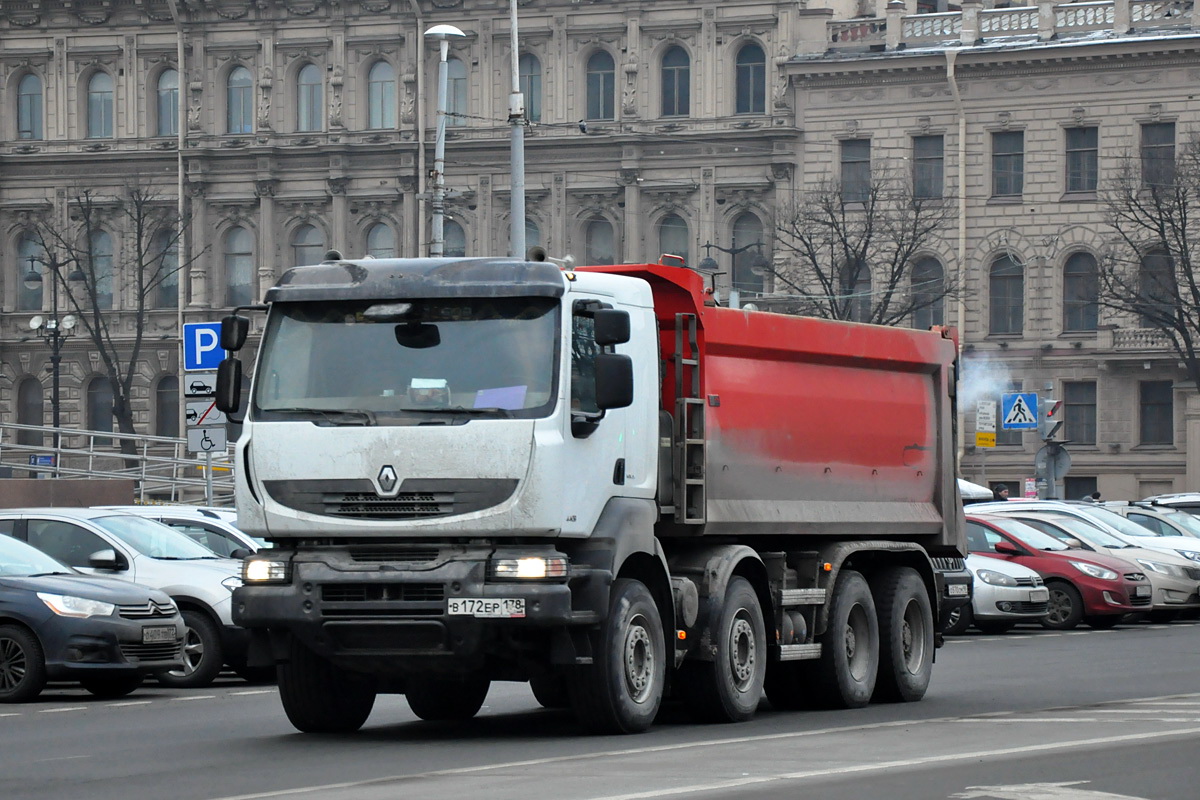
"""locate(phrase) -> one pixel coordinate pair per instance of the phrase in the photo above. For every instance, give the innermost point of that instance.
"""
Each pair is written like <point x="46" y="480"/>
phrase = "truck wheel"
<point x="320" y="698"/>
<point x="446" y="699"/>
<point x="622" y="689"/>
<point x="1066" y="607"/>
<point x="202" y="657"/>
<point x="728" y="688"/>
<point x="107" y="688"/>
<point x="958" y="620"/>
<point x="550" y="691"/>
<point x="849" y="659"/>
<point x="22" y="665"/>
<point x="905" y="635"/>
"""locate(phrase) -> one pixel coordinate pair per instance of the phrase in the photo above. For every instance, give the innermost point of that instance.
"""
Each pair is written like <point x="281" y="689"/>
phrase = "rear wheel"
<point x="958" y="620"/>
<point x="446" y="699"/>
<point x="320" y="698"/>
<point x="905" y="635"/>
<point x="728" y="688"/>
<point x="202" y="656"/>
<point x="550" y="691"/>
<point x="1066" y="607"/>
<point x="1105" y="622"/>
<point x="109" y="687"/>
<point x="22" y="665"/>
<point x="846" y="672"/>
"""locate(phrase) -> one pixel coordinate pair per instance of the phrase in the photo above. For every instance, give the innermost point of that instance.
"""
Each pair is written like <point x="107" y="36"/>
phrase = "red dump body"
<point x="815" y="426"/>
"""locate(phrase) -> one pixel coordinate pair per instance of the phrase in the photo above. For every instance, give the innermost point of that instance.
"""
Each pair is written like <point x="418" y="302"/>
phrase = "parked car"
<point x="1161" y="520"/>
<point x="1084" y="586"/>
<point x="1005" y="593"/>
<point x="1176" y="580"/>
<point x="216" y="529"/>
<point x="1184" y="501"/>
<point x="132" y="548"/>
<point x="57" y="624"/>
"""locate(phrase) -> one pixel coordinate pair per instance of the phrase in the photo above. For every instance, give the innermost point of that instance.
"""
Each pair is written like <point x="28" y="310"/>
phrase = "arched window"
<point x="100" y="407"/>
<point x="381" y="96"/>
<point x="30" y="410"/>
<point x="1157" y="289"/>
<point x="168" y="103"/>
<point x="100" y="106"/>
<point x="748" y="230"/>
<point x="673" y="237"/>
<point x="599" y="242"/>
<point x="601" y="86"/>
<point x="529" y="70"/>
<point x="676" y="83"/>
<point x="1081" y="293"/>
<point x="928" y="294"/>
<point x="308" y="245"/>
<point x="454" y="239"/>
<point x="751" y="89"/>
<point x="533" y="236"/>
<point x="29" y="107"/>
<point x="309" y="106"/>
<point x="29" y="257"/>
<point x="239" y="267"/>
<point x="239" y="102"/>
<point x="856" y="292"/>
<point x="166" y="407"/>
<point x="381" y="241"/>
<point x="456" y="91"/>
<point x="102" y="268"/>
<point x="1006" y="290"/>
<point x="165" y="248"/>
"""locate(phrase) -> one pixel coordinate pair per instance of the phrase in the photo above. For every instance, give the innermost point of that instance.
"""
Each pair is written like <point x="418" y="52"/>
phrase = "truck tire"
<point x="22" y="665"/>
<point x="108" y="688"/>
<point x="846" y="671"/>
<point x="550" y="691"/>
<point x="1066" y="607"/>
<point x="622" y="689"/>
<point x="728" y="688"/>
<point x="905" y="635"/>
<point x="320" y="698"/>
<point x="202" y="656"/>
<point x="446" y="699"/>
<point x="959" y="620"/>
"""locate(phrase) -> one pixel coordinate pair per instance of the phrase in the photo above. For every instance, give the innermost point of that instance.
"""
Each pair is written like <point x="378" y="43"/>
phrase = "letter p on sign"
<point x="202" y="346"/>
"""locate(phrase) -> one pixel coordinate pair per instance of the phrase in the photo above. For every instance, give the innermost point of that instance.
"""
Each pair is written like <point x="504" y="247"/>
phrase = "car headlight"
<point x="232" y="582"/>
<point x="1190" y="554"/>
<point x="67" y="606"/>
<point x="266" y="570"/>
<point x="995" y="578"/>
<point x="1161" y="569"/>
<point x="1096" y="572"/>
<point x="530" y="567"/>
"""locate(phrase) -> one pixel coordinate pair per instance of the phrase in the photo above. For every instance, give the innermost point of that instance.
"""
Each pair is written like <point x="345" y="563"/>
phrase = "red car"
<point x="1092" y="587"/>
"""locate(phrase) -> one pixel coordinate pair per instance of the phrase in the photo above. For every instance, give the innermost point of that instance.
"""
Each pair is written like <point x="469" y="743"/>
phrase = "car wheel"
<point x="106" y="688"/>
<point x="202" y="658"/>
<point x="993" y="628"/>
<point x="958" y="620"/>
<point x="446" y="699"/>
<point x="1066" y="607"/>
<point x="1104" y="622"/>
<point x="22" y="665"/>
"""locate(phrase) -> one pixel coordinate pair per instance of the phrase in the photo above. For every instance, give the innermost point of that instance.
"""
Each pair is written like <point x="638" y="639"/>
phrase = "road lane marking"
<point x="58" y="758"/>
<point x="129" y="703"/>
<point x="253" y="691"/>
<point x="59" y="710"/>
<point x="197" y="697"/>
<point x="10" y="715"/>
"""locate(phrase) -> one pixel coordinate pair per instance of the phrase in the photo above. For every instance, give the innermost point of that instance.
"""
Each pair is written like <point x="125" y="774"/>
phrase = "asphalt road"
<point x="1031" y="715"/>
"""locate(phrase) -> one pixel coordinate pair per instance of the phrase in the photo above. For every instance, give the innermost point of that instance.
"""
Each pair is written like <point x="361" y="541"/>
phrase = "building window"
<point x="165" y="248"/>
<point x="309" y="105"/>
<point x="1157" y="290"/>
<point x="1158" y="154"/>
<point x="1079" y="412"/>
<point x="1157" y="412"/>
<point x="29" y="107"/>
<point x="1008" y="164"/>
<point x="856" y="292"/>
<point x="748" y="233"/>
<point x="1076" y="487"/>
<point x="100" y="408"/>
<point x="676" y="83"/>
<point x="100" y="106"/>
<point x="29" y="257"/>
<point x="239" y="102"/>
<point x="601" y="86"/>
<point x="599" y="242"/>
<point x="239" y="267"/>
<point x="167" y="102"/>
<point x="102" y="267"/>
<point x="30" y="410"/>
<point x="1006" y="285"/>
<point x="1083" y="159"/>
<point x="381" y="241"/>
<point x="673" y="237"/>
<point x="928" y="166"/>
<point x="381" y="96"/>
<point x="308" y="245"/>
<point x="529" y="72"/>
<point x="928" y="294"/>
<point x="166" y="407"/>
<point x="1008" y="437"/>
<point x="856" y="170"/>
<point x="456" y="92"/>
<point x="454" y="239"/>
<point x="751" y="83"/>
<point x="1081" y="293"/>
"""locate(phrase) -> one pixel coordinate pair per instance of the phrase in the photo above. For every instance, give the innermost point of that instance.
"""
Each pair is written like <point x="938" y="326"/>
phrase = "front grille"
<point x="1025" y="607"/>
<point x="949" y="564"/>
<point x="418" y="498"/>
<point x="1036" y="580"/>
<point x="1192" y="572"/>
<point x="402" y="506"/>
<point x="159" y="651"/>
<point x="147" y="610"/>
<point x="1140" y="601"/>
<point x="385" y="556"/>
<point x="382" y="592"/>
<point x="1136" y="577"/>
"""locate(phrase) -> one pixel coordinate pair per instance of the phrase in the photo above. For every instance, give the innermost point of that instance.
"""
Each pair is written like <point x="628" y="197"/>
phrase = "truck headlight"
<point x="1096" y="572"/>
<point x="266" y="570"/>
<point x="530" y="567"/>
<point x="66" y="605"/>
<point x="995" y="578"/>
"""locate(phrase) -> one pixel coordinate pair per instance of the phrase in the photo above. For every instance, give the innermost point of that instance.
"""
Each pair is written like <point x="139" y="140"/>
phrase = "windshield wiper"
<point x="334" y="416"/>
<point x="486" y="411"/>
<point x="45" y="574"/>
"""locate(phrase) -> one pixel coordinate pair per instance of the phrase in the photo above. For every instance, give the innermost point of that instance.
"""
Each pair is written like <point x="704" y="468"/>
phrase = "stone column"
<point x="970" y="21"/>
<point x="633" y="251"/>
<point x="264" y="188"/>
<point x="1047" y="20"/>
<point x="338" y="237"/>
<point x="199" y="237"/>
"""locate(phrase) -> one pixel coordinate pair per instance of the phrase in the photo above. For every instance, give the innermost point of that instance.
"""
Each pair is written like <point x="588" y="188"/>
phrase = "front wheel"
<point x="22" y="665"/>
<point x="1066" y="607"/>
<point x="446" y="699"/>
<point x="108" y="688"/>
<point x="320" y="698"/>
<point x="849" y="662"/>
<point x="728" y="688"/>
<point x="202" y="656"/>
<point x="905" y="635"/>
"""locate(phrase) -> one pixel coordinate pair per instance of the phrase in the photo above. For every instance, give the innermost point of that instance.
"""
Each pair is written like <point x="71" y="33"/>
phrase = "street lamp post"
<point x="437" y="245"/>
<point x="516" y="119"/>
<point x="709" y="264"/>
<point x="53" y="331"/>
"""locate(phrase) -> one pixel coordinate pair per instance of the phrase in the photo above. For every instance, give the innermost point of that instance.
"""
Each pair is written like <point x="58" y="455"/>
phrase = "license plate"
<point x="159" y="633"/>
<point x="1141" y="591"/>
<point x="957" y="590"/>
<point x="488" y="607"/>
<point x="1039" y="595"/>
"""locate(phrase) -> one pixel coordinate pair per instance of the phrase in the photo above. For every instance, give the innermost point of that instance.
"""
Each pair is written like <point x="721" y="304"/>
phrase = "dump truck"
<point x="597" y="480"/>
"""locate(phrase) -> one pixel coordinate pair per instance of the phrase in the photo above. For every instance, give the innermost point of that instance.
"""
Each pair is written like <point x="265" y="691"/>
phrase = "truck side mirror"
<point x="612" y="326"/>
<point x="614" y="380"/>
<point x="233" y="332"/>
<point x="229" y="383"/>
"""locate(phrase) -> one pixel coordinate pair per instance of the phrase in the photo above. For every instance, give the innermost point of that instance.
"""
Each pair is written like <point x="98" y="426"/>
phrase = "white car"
<point x="1005" y="593"/>
<point x="215" y="528"/>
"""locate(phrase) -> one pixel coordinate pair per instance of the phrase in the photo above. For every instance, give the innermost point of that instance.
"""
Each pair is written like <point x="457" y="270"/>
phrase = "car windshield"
<point x="1115" y="520"/>
<point x="418" y="362"/>
<point x="19" y="560"/>
<point x="152" y="538"/>
<point x="1029" y="535"/>
<point x="1068" y="527"/>
<point x="1183" y="520"/>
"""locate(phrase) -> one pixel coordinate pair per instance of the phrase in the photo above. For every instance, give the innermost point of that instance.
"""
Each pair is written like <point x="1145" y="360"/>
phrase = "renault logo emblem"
<point x="387" y="479"/>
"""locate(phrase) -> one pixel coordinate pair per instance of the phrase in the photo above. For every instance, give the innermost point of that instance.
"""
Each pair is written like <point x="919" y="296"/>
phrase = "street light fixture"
<point x="439" y="33"/>
<point x="758" y="264"/>
<point x="53" y="331"/>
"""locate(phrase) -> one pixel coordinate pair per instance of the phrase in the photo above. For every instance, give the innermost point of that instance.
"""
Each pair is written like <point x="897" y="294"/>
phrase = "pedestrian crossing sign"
<point x="1018" y="411"/>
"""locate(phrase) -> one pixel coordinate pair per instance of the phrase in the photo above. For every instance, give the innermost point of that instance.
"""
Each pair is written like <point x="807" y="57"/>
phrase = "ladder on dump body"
<point x="689" y="456"/>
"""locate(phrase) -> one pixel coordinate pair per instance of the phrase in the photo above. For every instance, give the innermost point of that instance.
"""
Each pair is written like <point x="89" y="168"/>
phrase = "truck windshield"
<point x="410" y="362"/>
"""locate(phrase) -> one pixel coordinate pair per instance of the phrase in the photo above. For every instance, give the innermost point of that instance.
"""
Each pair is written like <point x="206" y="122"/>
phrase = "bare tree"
<point x="96" y="276"/>
<point x="1149" y="271"/>
<point x="855" y="252"/>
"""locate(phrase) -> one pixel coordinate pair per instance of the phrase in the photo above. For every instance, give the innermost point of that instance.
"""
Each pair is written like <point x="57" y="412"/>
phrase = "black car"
<point x="59" y="625"/>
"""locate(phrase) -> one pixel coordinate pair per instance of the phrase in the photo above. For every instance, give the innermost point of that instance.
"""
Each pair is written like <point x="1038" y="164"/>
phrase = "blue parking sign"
<point x="1018" y="411"/>
<point x="202" y="346"/>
